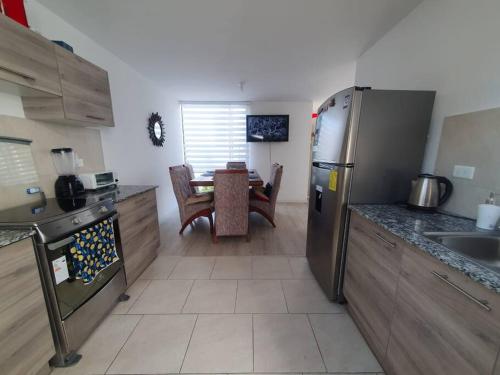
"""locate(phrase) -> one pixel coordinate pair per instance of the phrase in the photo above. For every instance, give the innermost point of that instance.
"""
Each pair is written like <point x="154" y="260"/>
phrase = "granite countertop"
<point x="410" y="225"/>
<point x="121" y="192"/>
<point x="9" y="236"/>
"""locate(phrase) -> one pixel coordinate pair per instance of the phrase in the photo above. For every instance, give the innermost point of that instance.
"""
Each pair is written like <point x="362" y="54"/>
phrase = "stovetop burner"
<point x="43" y="211"/>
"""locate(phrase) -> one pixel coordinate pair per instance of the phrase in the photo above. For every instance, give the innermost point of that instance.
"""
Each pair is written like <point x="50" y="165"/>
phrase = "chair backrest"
<point x="179" y="175"/>
<point x="231" y="202"/>
<point x="190" y="170"/>
<point x="191" y="176"/>
<point x="275" y="181"/>
<point x="236" y="165"/>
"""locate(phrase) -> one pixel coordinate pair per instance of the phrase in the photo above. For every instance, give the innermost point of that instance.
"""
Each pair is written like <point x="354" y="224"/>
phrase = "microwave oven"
<point x="97" y="180"/>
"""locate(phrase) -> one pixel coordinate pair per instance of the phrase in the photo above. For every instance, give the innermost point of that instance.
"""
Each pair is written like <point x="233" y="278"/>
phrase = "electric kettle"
<point x="427" y="192"/>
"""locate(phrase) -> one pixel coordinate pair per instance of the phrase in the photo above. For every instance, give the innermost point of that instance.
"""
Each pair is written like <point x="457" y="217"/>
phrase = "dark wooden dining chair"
<point x="266" y="204"/>
<point x="236" y="165"/>
<point x="231" y="195"/>
<point x="191" y="206"/>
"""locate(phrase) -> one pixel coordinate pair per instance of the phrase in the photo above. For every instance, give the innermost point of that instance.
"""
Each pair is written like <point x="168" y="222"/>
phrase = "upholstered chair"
<point x="266" y="204"/>
<point x="231" y="202"/>
<point x="191" y="206"/>
<point x="236" y="165"/>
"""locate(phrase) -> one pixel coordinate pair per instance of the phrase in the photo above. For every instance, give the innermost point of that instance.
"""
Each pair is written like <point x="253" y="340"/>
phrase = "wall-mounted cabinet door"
<point x="28" y="65"/>
<point x="85" y="87"/>
<point x="86" y="96"/>
<point x="444" y="323"/>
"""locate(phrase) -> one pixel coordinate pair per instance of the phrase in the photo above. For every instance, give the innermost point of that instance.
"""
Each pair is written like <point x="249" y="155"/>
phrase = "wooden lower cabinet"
<point x="26" y="343"/>
<point x="371" y="278"/>
<point x="436" y="328"/>
<point x="139" y="232"/>
<point x="418" y="315"/>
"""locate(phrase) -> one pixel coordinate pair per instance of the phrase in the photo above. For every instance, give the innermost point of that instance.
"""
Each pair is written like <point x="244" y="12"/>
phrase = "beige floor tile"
<point x="161" y="268"/>
<point x="211" y="296"/>
<point x="285" y="343"/>
<point x="342" y="346"/>
<point x="300" y="268"/>
<point x="162" y="297"/>
<point x="193" y="268"/>
<point x="156" y="346"/>
<point x="232" y="267"/>
<point x="306" y="296"/>
<point x="134" y="291"/>
<point x="220" y="344"/>
<point x="102" y="346"/>
<point x="269" y="267"/>
<point x="260" y="296"/>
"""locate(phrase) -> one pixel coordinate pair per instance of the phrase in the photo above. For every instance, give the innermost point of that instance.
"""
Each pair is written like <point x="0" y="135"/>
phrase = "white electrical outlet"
<point x="464" y="171"/>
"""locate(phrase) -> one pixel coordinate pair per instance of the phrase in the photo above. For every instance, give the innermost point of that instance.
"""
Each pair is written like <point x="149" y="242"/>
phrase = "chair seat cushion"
<point x="200" y="198"/>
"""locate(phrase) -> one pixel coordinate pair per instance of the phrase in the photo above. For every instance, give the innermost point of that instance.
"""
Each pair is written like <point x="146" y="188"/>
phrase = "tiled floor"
<point x="233" y="308"/>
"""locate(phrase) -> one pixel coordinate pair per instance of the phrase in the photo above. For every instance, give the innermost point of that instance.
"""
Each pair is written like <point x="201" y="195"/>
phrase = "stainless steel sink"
<point x="483" y="248"/>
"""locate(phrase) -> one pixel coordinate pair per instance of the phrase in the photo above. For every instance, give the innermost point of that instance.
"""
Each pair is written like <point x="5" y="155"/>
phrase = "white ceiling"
<point x="202" y="49"/>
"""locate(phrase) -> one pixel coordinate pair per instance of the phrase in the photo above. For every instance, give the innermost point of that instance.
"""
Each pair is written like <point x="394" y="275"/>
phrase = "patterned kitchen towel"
<point x="93" y="250"/>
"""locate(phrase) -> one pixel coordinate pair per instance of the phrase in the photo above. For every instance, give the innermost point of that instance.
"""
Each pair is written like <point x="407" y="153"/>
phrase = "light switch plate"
<point x="464" y="171"/>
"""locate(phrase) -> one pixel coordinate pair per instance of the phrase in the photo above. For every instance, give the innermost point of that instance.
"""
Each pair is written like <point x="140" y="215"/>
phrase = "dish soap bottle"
<point x="488" y="214"/>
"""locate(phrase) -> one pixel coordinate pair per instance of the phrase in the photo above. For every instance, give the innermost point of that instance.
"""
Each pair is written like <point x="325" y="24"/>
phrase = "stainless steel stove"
<point x="75" y="308"/>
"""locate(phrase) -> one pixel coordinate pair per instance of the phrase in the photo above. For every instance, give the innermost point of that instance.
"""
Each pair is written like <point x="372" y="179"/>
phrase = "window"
<point x="16" y="162"/>
<point x="214" y="134"/>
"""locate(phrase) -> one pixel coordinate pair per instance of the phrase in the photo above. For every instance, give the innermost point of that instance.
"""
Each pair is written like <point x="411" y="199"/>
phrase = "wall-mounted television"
<point x="267" y="128"/>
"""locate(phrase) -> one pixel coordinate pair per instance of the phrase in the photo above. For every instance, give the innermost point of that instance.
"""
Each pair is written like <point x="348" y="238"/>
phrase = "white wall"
<point x="294" y="154"/>
<point x="127" y="148"/>
<point x="451" y="46"/>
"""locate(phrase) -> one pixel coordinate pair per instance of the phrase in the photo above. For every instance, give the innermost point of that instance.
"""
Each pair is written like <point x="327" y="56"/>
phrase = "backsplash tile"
<point x="85" y="141"/>
<point x="471" y="139"/>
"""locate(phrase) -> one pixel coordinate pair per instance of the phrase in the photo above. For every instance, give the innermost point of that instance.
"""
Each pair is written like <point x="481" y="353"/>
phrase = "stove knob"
<point x="103" y="210"/>
<point x="76" y="220"/>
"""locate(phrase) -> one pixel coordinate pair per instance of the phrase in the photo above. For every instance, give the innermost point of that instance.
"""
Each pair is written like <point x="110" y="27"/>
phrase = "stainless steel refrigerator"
<point x="368" y="145"/>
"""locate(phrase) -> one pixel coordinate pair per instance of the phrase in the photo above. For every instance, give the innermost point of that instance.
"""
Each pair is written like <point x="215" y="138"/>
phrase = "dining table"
<point x="207" y="179"/>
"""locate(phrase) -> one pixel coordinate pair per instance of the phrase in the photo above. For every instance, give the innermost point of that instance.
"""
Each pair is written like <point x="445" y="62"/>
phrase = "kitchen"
<point x="404" y="320"/>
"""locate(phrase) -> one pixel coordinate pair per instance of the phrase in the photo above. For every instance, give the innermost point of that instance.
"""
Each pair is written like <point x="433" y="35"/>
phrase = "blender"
<point x="67" y="185"/>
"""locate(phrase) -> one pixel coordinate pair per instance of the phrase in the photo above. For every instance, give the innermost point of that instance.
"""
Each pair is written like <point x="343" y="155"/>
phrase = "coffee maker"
<point x="67" y="185"/>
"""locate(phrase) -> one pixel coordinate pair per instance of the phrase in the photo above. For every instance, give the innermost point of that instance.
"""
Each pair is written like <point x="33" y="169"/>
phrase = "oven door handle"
<point x="60" y="243"/>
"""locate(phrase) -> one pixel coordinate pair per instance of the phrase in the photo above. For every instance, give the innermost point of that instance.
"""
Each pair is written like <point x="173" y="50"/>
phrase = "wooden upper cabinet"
<point x="85" y="87"/>
<point x="444" y="322"/>
<point x="86" y="96"/>
<point x="28" y="64"/>
<point x="26" y="343"/>
<point x="371" y="279"/>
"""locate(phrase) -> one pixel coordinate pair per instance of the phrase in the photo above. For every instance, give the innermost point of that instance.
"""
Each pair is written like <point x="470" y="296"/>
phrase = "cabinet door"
<point x="25" y="337"/>
<point x="85" y="89"/>
<point x="371" y="277"/>
<point x="27" y="61"/>
<point x="439" y="325"/>
<point x="139" y="231"/>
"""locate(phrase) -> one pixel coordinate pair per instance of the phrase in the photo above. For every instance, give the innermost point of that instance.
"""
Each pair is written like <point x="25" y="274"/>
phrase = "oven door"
<point x="71" y="293"/>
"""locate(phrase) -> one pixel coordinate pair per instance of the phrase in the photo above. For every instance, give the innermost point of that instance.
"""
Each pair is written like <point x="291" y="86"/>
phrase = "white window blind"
<point x="214" y="134"/>
<point x="16" y="163"/>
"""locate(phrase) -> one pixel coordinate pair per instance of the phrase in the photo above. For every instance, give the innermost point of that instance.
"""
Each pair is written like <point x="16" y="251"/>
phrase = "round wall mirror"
<point x="156" y="129"/>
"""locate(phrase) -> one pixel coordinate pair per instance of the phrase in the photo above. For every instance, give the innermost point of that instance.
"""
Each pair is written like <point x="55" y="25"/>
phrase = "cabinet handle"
<point x="22" y="75"/>
<point x="483" y="303"/>
<point x="95" y="117"/>
<point x="379" y="236"/>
